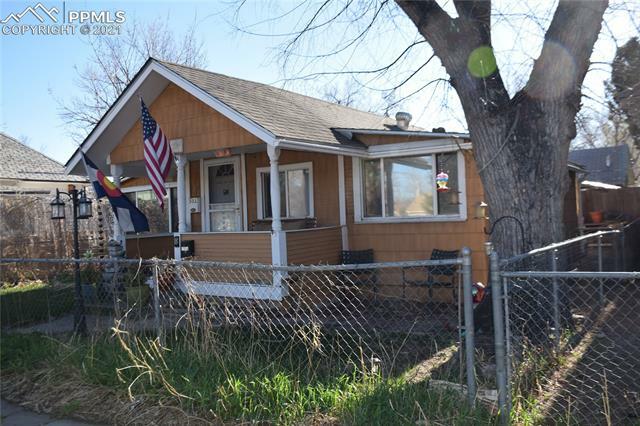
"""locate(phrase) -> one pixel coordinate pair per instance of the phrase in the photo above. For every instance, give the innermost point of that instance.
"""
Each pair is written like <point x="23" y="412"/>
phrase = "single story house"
<point x="28" y="181"/>
<point x="24" y="170"/>
<point x="271" y="176"/>
<point x="610" y="192"/>
<point x="607" y="167"/>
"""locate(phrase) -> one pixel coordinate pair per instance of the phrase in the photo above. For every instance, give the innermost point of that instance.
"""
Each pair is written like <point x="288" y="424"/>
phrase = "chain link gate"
<point x="569" y="349"/>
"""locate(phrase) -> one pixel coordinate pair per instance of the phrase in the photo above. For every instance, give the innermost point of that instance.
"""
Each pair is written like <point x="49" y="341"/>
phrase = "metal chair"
<point x="362" y="277"/>
<point x="442" y="276"/>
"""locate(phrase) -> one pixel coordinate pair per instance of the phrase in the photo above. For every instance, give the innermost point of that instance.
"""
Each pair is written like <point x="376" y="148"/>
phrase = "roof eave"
<point x="349" y="132"/>
<point x="150" y="66"/>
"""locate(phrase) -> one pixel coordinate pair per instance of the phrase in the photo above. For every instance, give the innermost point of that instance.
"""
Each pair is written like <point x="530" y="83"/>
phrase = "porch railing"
<point x="303" y="247"/>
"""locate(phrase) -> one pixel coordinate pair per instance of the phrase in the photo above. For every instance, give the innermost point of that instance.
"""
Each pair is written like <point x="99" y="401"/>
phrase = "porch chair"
<point x="442" y="276"/>
<point x="360" y="277"/>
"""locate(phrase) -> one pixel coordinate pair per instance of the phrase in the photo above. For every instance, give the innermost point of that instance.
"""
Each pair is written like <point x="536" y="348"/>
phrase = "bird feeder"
<point x="442" y="179"/>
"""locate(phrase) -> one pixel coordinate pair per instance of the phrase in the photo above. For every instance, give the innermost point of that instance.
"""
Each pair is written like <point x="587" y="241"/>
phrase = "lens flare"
<point x="554" y="61"/>
<point x="482" y="62"/>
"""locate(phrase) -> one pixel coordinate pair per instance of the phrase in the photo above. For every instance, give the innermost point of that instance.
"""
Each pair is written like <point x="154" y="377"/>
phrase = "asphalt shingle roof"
<point x="286" y="114"/>
<point x="19" y="162"/>
<point x="608" y="165"/>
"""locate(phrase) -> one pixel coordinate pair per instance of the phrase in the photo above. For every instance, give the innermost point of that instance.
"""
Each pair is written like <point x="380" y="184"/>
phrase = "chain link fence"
<point x="574" y="345"/>
<point x="387" y="317"/>
<point x="568" y="349"/>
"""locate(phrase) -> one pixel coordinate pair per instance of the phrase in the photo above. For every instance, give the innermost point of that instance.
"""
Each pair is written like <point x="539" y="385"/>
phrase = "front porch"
<point x="254" y="204"/>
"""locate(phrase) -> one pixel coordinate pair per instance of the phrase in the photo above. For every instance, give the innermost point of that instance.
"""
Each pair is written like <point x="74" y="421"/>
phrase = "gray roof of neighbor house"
<point x="609" y="165"/>
<point x="19" y="162"/>
<point x="286" y="114"/>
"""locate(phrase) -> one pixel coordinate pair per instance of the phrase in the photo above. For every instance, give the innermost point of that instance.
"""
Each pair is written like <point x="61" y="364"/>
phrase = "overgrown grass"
<point x="243" y="378"/>
<point x="33" y="301"/>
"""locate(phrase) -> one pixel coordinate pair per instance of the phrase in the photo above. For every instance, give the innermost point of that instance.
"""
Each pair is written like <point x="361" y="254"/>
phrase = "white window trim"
<point x="358" y="201"/>
<point x="283" y="168"/>
<point x="138" y="188"/>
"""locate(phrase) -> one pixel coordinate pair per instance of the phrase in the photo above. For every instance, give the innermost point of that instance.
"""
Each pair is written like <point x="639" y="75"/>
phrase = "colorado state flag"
<point x="129" y="217"/>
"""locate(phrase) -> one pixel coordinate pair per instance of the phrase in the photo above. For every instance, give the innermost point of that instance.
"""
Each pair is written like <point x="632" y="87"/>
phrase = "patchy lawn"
<point x="34" y="301"/>
<point x="236" y="379"/>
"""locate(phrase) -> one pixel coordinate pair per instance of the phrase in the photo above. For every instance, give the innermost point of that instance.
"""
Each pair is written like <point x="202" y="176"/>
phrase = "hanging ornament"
<point x="442" y="179"/>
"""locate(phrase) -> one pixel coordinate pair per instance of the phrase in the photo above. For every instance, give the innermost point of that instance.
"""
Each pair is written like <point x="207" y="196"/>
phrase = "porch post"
<point x="278" y="237"/>
<point x="116" y="174"/>
<point x="274" y="182"/>
<point x="181" y="164"/>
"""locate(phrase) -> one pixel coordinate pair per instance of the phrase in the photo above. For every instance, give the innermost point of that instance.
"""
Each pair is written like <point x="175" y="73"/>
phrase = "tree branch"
<point x="568" y="43"/>
<point x="453" y="41"/>
<point x="478" y="12"/>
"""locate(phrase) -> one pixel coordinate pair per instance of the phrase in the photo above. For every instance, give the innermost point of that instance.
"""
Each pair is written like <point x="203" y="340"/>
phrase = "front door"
<point x="222" y="195"/>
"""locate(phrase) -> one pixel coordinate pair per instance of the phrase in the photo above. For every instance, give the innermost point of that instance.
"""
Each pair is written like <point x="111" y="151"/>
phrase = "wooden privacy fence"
<point x="26" y="228"/>
<point x="624" y="202"/>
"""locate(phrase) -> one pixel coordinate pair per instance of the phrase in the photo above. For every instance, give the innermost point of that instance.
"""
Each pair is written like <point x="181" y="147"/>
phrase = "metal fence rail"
<point x="384" y="316"/>
<point x="575" y="344"/>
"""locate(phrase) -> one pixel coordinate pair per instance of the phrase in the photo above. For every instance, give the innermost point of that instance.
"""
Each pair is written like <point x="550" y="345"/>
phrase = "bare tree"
<point x="114" y="62"/>
<point x="521" y="141"/>
<point x="619" y="123"/>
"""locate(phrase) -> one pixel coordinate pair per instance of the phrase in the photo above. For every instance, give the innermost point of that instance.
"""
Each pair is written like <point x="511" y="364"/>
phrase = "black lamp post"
<point x="81" y="210"/>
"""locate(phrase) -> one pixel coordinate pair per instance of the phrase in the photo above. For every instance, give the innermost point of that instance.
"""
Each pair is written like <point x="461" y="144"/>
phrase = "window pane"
<point x="409" y="186"/>
<point x="266" y="195"/>
<point x="222" y="184"/>
<point x="223" y="220"/>
<point x="173" y="193"/>
<point x="449" y="201"/>
<point x="298" y="181"/>
<point x="158" y="219"/>
<point x="372" y="192"/>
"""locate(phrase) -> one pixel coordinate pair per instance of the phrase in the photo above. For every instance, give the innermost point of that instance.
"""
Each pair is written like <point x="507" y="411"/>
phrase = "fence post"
<point x="498" y="334"/>
<point x="469" y="328"/>
<point x="556" y="298"/>
<point x="156" y="301"/>
<point x="623" y="251"/>
<point x="507" y="334"/>
<point x="601" y="285"/>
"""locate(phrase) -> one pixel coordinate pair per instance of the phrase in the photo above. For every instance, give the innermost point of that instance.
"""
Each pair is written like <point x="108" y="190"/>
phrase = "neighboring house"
<point x="346" y="179"/>
<point x="23" y="170"/>
<point x="608" y="165"/>
<point x="610" y="192"/>
<point x="28" y="180"/>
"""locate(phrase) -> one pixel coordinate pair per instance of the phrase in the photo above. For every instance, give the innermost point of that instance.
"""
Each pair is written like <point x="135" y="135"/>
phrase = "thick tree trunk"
<point x="520" y="144"/>
<point x="523" y="168"/>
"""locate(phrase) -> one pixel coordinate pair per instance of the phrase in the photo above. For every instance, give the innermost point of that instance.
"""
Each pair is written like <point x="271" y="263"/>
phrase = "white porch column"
<point x="116" y="174"/>
<point x="181" y="164"/>
<point x="278" y="237"/>
<point x="274" y="182"/>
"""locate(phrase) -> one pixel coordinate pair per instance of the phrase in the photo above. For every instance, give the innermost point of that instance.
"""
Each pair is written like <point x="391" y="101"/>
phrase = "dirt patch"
<point x="66" y="395"/>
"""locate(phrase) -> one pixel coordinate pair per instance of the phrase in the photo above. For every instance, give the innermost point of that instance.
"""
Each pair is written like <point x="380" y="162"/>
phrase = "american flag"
<point x="157" y="154"/>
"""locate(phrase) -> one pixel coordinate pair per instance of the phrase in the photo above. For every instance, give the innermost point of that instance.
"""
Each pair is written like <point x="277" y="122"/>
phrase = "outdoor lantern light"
<point x="81" y="210"/>
<point x="84" y="206"/>
<point x="481" y="210"/>
<point x="57" y="207"/>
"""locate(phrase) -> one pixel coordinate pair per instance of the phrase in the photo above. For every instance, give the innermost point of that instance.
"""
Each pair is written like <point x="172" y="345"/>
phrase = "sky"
<point x="37" y="72"/>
